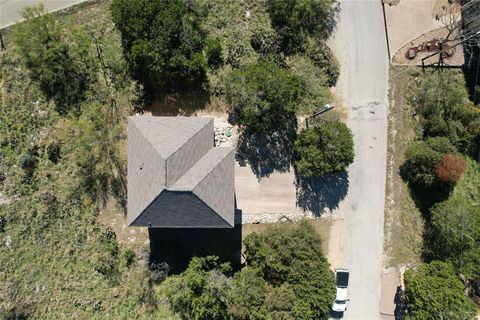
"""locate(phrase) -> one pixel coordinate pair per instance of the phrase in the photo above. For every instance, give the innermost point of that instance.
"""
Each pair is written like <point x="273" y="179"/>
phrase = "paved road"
<point x="10" y="9"/>
<point x="360" y="40"/>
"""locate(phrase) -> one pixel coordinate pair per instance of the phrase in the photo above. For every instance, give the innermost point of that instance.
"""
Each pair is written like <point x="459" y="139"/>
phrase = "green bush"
<point x="433" y="291"/>
<point x="297" y="19"/>
<point x="200" y="292"/>
<point x="323" y="58"/>
<point x="292" y="255"/>
<point x="441" y="99"/>
<point x="129" y="257"/>
<point x="59" y="58"/>
<point x="163" y="42"/>
<point x="455" y="225"/>
<point x="421" y="157"/>
<point x="325" y="149"/>
<point x="213" y="51"/>
<point x="264" y="98"/>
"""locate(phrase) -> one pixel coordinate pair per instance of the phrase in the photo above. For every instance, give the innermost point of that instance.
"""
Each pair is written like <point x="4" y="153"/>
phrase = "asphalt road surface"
<point x="360" y="38"/>
<point x="10" y="10"/>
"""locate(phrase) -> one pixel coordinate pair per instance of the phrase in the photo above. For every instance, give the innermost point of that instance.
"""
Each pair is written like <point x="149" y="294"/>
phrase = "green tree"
<point x="441" y="99"/>
<point x="163" y="42"/>
<point x="246" y="300"/>
<point x="292" y="255"/>
<point x="421" y="158"/>
<point x="326" y="149"/>
<point x="433" y="291"/>
<point x="455" y="225"/>
<point x="59" y="58"/>
<point x="297" y="19"/>
<point x="200" y="292"/>
<point x="264" y="98"/>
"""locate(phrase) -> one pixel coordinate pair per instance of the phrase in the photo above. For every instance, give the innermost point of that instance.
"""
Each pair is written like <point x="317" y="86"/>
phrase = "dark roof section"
<point x="176" y="177"/>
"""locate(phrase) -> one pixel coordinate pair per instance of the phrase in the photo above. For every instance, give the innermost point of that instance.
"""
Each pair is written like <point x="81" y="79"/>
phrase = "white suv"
<point x="341" y="298"/>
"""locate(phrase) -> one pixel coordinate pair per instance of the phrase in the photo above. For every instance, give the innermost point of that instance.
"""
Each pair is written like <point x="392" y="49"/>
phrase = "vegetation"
<point x="325" y="149"/>
<point x="456" y="225"/>
<point x="443" y="184"/>
<point x="58" y="58"/>
<point x="441" y="99"/>
<point x="200" y="292"/>
<point x="295" y="20"/>
<point x="264" y="98"/>
<point x="287" y="278"/>
<point x="66" y="92"/>
<point x="433" y="291"/>
<point x="422" y="158"/>
<point x="292" y="256"/>
<point x="163" y="42"/>
<point x="62" y="129"/>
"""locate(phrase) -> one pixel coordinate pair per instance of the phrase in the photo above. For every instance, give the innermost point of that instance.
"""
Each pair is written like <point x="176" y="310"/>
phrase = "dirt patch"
<point x="404" y="223"/>
<point x="113" y="216"/>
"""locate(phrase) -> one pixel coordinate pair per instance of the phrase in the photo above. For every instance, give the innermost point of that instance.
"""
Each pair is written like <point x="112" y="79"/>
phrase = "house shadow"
<point x="320" y="193"/>
<point x="265" y="153"/>
<point x="177" y="246"/>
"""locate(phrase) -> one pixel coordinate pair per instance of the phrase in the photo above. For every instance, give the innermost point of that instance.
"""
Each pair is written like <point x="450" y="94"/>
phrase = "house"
<point x="177" y="178"/>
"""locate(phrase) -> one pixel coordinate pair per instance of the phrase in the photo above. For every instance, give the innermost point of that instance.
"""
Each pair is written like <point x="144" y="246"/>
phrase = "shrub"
<point x="213" y="51"/>
<point x="58" y="57"/>
<point x="450" y="168"/>
<point x="128" y="257"/>
<point x="326" y="149"/>
<point x="433" y="291"/>
<point x="163" y="42"/>
<point x="421" y="158"/>
<point x="200" y="292"/>
<point x="292" y="255"/>
<point x="323" y="58"/>
<point x="263" y="98"/>
<point x="441" y="99"/>
<point x="294" y="20"/>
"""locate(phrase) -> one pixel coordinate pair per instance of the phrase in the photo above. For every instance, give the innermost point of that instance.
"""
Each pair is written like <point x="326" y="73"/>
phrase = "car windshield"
<point x="340" y="301"/>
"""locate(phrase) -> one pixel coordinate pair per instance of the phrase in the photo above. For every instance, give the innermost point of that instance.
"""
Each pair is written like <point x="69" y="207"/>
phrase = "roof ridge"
<point x="148" y="140"/>
<point x="201" y="200"/>
<point x="191" y="137"/>
<point x="210" y="170"/>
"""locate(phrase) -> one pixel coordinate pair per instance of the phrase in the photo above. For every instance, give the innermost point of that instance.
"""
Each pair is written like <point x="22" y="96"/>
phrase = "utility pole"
<point x="442" y="50"/>
<point x="324" y="109"/>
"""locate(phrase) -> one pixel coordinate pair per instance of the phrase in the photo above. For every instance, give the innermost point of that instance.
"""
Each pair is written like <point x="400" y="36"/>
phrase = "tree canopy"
<point x="58" y="57"/>
<point x="294" y="20"/>
<point x="456" y="225"/>
<point x="264" y="98"/>
<point x="325" y="149"/>
<point x="433" y="291"/>
<point x="292" y="255"/>
<point x="421" y="159"/>
<point x="287" y="277"/>
<point x="200" y="292"/>
<point x="445" y="110"/>
<point x="163" y="42"/>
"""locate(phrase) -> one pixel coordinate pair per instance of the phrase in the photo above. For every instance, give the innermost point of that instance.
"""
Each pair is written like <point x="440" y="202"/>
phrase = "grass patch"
<point x="404" y="223"/>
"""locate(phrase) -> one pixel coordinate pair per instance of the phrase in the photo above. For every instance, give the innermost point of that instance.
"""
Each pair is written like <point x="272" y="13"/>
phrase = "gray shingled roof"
<point x="176" y="177"/>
